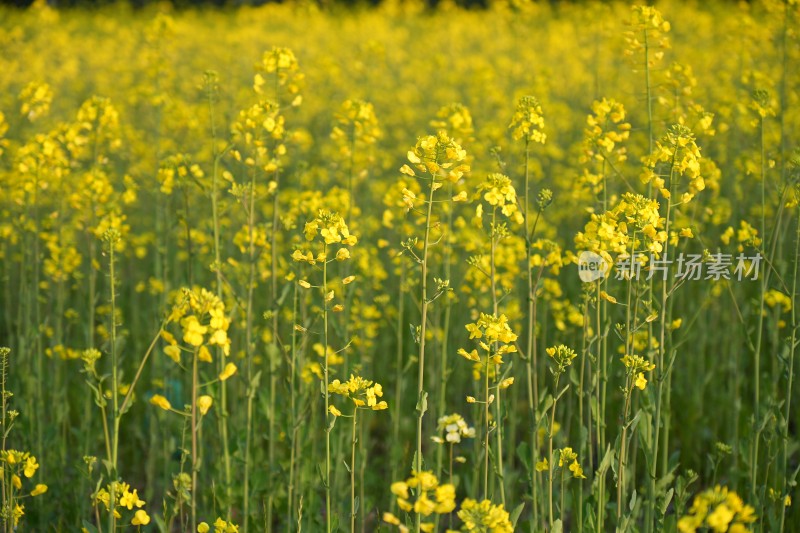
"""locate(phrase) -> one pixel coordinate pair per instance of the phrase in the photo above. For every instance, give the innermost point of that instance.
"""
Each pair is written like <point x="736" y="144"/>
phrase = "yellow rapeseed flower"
<point x="204" y="403"/>
<point x="141" y="518"/>
<point x="228" y="371"/>
<point x="160" y="401"/>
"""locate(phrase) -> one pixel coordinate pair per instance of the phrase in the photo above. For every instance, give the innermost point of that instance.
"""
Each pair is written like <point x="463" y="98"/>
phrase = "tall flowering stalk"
<point x="562" y="357"/>
<point x="355" y="134"/>
<point x="500" y="195"/>
<point x="795" y="174"/>
<point x="203" y="325"/>
<point x="635" y="367"/>
<point x="495" y="339"/>
<point x="648" y="31"/>
<point x="16" y="465"/>
<point x="437" y="159"/>
<point x="527" y="125"/>
<point x="210" y="80"/>
<point x="258" y="143"/>
<point x="364" y="394"/>
<point x="456" y="119"/>
<point x="327" y="230"/>
<point x="278" y="74"/>
<point x="604" y="135"/>
<point x="673" y="171"/>
<point x="761" y="105"/>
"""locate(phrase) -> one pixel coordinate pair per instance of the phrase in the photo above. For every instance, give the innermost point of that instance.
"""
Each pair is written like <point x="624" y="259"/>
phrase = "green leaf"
<point x="414" y="465"/>
<point x="515" y="514"/>
<point x="284" y="293"/>
<point x="422" y="403"/>
<point x="544" y="406"/>
<point x="524" y="455"/>
<point x="160" y="523"/>
<point x="254" y="383"/>
<point x="560" y="394"/>
<point x="89" y="527"/>
<point x="273" y="357"/>
<point x="666" y="502"/>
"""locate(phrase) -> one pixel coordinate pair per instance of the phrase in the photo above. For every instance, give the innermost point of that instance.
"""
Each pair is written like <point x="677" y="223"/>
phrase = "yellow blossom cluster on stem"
<point x="676" y="155"/>
<point x="635" y="367"/>
<point x="126" y="499"/>
<point x="96" y="131"/>
<point x="363" y="393"/>
<point x="562" y="357"/>
<point x="603" y="236"/>
<point x="547" y="254"/>
<point x="648" y="31"/>
<point x="484" y="517"/>
<point x="499" y="192"/>
<point x="203" y="321"/>
<point x="331" y="228"/>
<point x="718" y="510"/>
<point x="356" y="123"/>
<point x="528" y="121"/>
<point x="495" y="339"/>
<point x="180" y="167"/>
<point x="423" y="495"/>
<point x="281" y="64"/>
<point x="746" y="235"/>
<point x="258" y="133"/>
<point x="220" y="526"/>
<point x="567" y="457"/>
<point x="641" y="214"/>
<point x="35" y="99"/>
<point x="456" y="120"/>
<point x="605" y="129"/>
<point x="633" y="225"/>
<point x="18" y="465"/>
<point x="439" y="156"/>
<point x="604" y="134"/>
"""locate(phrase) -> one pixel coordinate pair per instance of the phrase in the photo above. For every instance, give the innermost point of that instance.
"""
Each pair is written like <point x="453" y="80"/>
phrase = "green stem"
<point x="293" y="413"/>
<point x="443" y="370"/>
<point x="223" y="387"/>
<point x="759" y="332"/>
<point x="486" y="446"/>
<point x="550" y="450"/>
<point x="398" y="379"/>
<point x="622" y="450"/>
<point x="792" y="349"/>
<point x="662" y="386"/>
<point x="114" y="386"/>
<point x="195" y="461"/>
<point x="421" y="395"/>
<point x="249" y="203"/>
<point x="353" y="475"/>
<point x="325" y="394"/>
